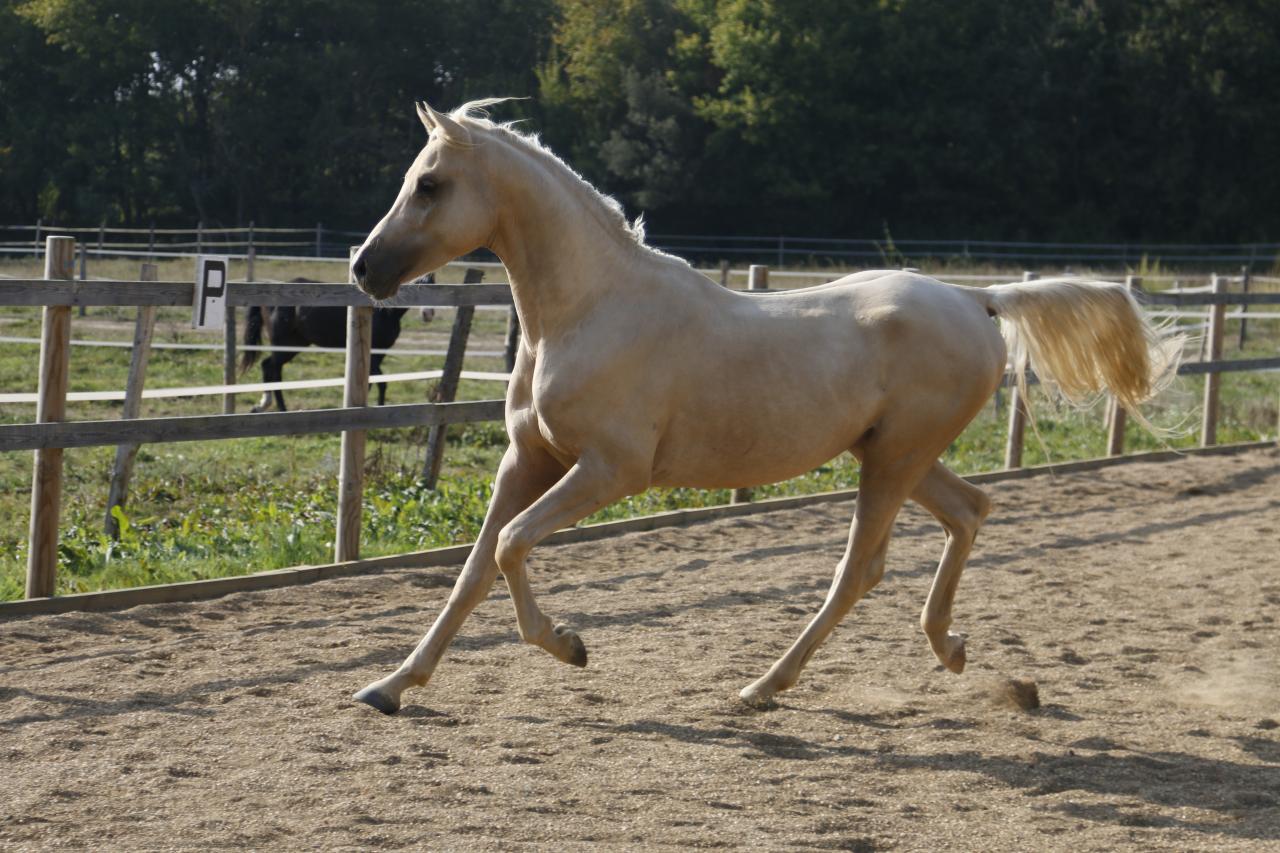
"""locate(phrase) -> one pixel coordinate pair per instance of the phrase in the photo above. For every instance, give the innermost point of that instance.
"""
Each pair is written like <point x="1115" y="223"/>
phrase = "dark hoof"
<point x="577" y="650"/>
<point x="375" y="698"/>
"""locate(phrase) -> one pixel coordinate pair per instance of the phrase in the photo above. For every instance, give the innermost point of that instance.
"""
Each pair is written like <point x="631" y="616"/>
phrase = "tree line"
<point x="1081" y="120"/>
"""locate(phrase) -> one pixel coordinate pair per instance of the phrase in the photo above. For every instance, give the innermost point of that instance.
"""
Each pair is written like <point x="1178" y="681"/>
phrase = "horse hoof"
<point x="955" y="657"/>
<point x="577" y="651"/>
<point x="375" y="698"/>
<point x="758" y="695"/>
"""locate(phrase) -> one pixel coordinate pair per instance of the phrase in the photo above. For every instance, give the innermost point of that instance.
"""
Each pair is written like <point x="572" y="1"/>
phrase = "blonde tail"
<point x="1084" y="338"/>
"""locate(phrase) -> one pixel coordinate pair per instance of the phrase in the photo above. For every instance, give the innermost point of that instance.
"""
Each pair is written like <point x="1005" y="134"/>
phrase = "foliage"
<point x="1045" y="119"/>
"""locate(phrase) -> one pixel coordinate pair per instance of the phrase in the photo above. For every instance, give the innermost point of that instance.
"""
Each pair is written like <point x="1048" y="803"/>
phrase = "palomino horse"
<point x="637" y="371"/>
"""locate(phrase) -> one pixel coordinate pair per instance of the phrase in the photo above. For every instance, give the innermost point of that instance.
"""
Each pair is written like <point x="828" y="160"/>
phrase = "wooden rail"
<point x="36" y="292"/>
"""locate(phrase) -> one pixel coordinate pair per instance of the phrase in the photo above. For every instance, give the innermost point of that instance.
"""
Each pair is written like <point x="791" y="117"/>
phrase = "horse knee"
<point x="512" y="547"/>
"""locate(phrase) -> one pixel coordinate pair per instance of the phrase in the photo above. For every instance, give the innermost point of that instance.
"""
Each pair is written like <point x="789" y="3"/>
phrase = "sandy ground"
<point x="1141" y="600"/>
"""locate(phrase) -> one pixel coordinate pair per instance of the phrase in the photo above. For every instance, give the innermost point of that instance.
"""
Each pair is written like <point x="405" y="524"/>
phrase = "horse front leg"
<point x="590" y="484"/>
<point x="523" y="475"/>
<point x="375" y="369"/>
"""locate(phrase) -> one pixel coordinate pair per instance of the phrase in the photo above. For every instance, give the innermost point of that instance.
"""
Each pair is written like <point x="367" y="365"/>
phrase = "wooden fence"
<point x="57" y="293"/>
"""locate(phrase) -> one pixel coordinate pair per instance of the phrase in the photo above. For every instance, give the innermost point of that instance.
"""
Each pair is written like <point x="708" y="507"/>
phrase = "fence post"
<point x="102" y="235"/>
<point x="229" y="359"/>
<point x="319" y="237"/>
<point x="1212" y="380"/>
<point x="446" y="389"/>
<point x="248" y="251"/>
<point x="200" y="237"/>
<point x="1244" y="309"/>
<point x="35" y="243"/>
<point x="513" y="339"/>
<point x="351" y="458"/>
<point x="51" y="406"/>
<point x="84" y="271"/>
<point x="724" y="273"/>
<point x="1116" y="415"/>
<point x="151" y="239"/>
<point x="1017" y="413"/>
<point x="122" y="470"/>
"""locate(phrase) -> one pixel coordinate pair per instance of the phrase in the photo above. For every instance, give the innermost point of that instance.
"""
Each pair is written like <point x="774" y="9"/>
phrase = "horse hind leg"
<point x="884" y="489"/>
<point x="270" y="373"/>
<point x="961" y="508"/>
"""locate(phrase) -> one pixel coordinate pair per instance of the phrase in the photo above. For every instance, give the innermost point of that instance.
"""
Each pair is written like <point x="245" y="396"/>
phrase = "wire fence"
<point x="320" y="241"/>
<point x="792" y="251"/>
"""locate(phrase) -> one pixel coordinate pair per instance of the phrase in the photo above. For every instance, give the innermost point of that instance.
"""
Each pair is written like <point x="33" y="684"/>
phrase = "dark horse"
<point x="322" y="326"/>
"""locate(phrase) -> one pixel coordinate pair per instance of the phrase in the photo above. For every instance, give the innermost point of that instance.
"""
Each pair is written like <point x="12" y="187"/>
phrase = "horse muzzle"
<point x="375" y="277"/>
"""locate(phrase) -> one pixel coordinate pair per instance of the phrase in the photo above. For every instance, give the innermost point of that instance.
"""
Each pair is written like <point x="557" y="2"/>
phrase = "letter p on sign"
<point x="209" y="308"/>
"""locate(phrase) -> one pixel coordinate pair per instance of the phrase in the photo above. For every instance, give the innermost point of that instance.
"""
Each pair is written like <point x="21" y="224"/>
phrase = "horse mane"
<point x="476" y="114"/>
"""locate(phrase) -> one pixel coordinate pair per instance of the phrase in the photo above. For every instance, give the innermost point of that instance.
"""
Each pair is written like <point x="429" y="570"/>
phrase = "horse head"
<point x="444" y="209"/>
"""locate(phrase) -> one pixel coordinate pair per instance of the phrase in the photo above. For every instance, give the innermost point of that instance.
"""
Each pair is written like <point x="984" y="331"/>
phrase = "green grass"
<point x="213" y="509"/>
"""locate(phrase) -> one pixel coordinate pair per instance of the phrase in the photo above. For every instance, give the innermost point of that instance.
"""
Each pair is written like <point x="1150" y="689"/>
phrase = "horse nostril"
<point x="359" y="269"/>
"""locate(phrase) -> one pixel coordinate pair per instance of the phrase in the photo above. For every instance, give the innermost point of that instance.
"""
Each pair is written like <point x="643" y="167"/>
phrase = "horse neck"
<point x="562" y="255"/>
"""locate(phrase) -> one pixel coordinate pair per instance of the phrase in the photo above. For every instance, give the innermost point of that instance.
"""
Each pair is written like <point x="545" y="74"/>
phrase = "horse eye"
<point x="426" y="186"/>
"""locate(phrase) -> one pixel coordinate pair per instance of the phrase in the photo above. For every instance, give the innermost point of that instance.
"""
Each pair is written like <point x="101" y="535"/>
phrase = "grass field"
<point x="210" y="509"/>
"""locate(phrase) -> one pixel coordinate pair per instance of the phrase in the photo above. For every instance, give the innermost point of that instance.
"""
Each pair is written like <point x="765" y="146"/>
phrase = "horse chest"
<point x="561" y="407"/>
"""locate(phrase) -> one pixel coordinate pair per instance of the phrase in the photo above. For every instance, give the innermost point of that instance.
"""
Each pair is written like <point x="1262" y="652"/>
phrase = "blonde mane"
<point x="475" y="114"/>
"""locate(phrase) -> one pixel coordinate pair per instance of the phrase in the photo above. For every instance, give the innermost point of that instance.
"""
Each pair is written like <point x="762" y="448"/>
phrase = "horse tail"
<point x="252" y="337"/>
<point x="1083" y="338"/>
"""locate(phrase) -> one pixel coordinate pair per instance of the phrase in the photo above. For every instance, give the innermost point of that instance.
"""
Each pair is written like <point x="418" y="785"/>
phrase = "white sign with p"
<point x="209" y="308"/>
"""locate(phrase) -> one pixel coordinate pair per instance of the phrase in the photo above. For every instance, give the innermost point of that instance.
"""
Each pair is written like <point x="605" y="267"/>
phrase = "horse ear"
<point x="426" y="115"/>
<point x="448" y="127"/>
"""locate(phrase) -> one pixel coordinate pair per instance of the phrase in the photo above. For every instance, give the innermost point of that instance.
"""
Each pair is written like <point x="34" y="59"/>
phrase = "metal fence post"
<point x="84" y="271"/>
<point x="1244" y="309"/>
<point x="51" y="406"/>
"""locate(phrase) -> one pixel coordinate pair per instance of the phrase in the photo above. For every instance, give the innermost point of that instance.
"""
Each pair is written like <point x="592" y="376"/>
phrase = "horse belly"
<point x="766" y="442"/>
